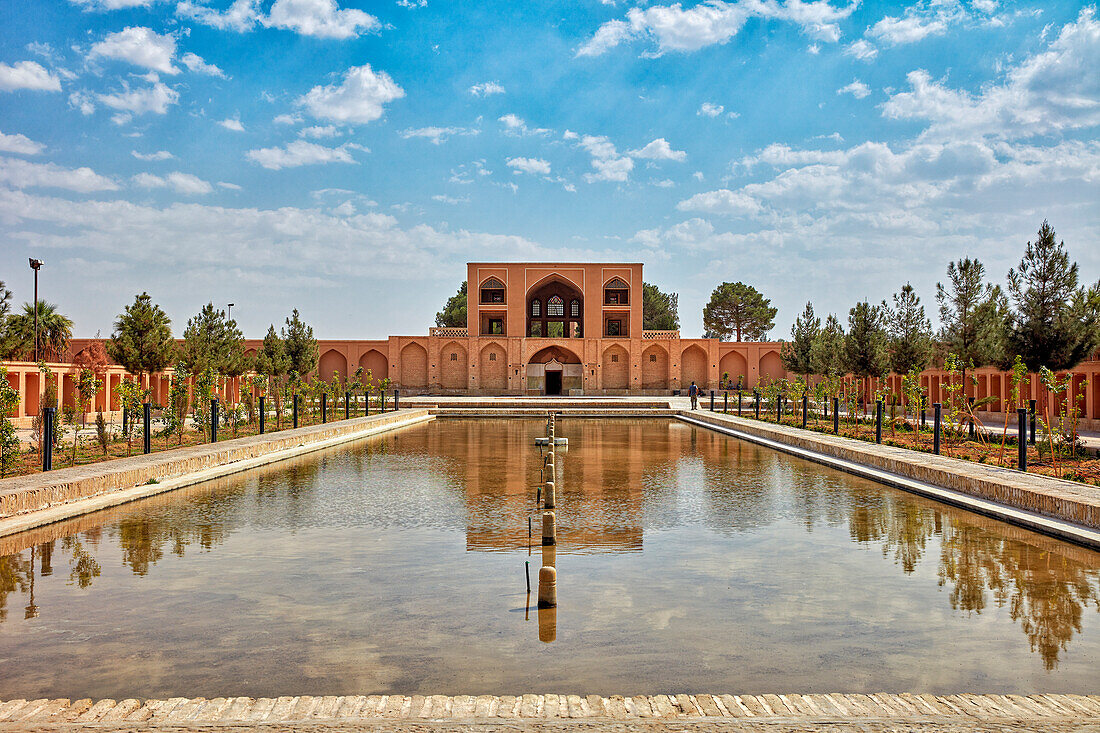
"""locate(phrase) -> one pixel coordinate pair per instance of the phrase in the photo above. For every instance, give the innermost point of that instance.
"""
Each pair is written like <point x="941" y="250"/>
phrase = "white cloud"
<point x="232" y="123"/>
<point x="20" y="144"/>
<point x="300" y="152"/>
<point x="194" y="63"/>
<point x="360" y="97"/>
<point x="450" y="200"/>
<point x="609" y="164"/>
<point x="516" y="126"/>
<point x="287" y="119"/>
<point x="139" y="46"/>
<point x="155" y="99"/>
<point x="674" y="28"/>
<point x="1052" y="91"/>
<point x="910" y="28"/>
<point x="862" y="49"/>
<point x="27" y="75"/>
<point x="659" y="149"/>
<point x="228" y="186"/>
<point x="986" y="6"/>
<point x="486" y="88"/>
<point x="149" y="157"/>
<point x="241" y="16"/>
<point x="709" y="109"/>
<point x="412" y="4"/>
<point x="535" y="166"/>
<point x="722" y="202"/>
<point x="437" y="135"/>
<point x="666" y="183"/>
<point x="321" y="18"/>
<point x="184" y="183"/>
<point x="319" y="131"/>
<point x="857" y="89"/>
<point x="24" y="174"/>
<point x="92" y="5"/>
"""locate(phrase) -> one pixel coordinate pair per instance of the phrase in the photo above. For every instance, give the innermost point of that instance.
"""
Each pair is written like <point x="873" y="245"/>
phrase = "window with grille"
<point x="454" y="357"/>
<point x="575" y="308"/>
<point x="614" y="328"/>
<point x="614" y="357"/>
<point x="536" y="308"/>
<point x="555" y="306"/>
<point x="492" y="357"/>
<point x="492" y="291"/>
<point x="653" y="357"/>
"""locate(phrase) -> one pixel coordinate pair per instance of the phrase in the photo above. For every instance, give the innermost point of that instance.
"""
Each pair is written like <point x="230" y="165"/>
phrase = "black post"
<point x="725" y="402"/>
<point x="294" y="410"/>
<point x="825" y="407"/>
<point x="395" y="400"/>
<point x="805" y="409"/>
<point x="324" y="407"/>
<point x="261" y="414"/>
<point x="712" y="400"/>
<point x="937" y="414"/>
<point x="47" y="438"/>
<point x="347" y="405"/>
<point x="1032" y="406"/>
<point x="757" y="393"/>
<point x="214" y="420"/>
<point x="878" y="421"/>
<point x="779" y="409"/>
<point x="147" y="438"/>
<point x="836" y="415"/>
<point x="738" y="403"/>
<point x="970" y="403"/>
<point x="366" y="403"/>
<point x="923" y="413"/>
<point x="1021" y="413"/>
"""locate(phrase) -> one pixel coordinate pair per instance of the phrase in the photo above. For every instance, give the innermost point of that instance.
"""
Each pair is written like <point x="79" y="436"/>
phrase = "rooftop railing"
<point x="447" y="332"/>
<point x="659" y="335"/>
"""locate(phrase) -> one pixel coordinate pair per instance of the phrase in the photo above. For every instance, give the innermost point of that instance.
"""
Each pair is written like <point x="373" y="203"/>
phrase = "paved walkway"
<point x="719" y="712"/>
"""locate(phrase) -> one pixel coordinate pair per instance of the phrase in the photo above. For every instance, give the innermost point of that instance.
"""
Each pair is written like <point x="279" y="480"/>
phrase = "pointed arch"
<point x="414" y="366"/>
<point x="376" y="363"/>
<point x="454" y="366"/>
<point x="771" y="367"/>
<point x="493" y="368"/>
<point x="693" y="367"/>
<point x="616" y="283"/>
<point x="332" y="361"/>
<point x="655" y="368"/>
<point x="615" y="364"/>
<point x="735" y="364"/>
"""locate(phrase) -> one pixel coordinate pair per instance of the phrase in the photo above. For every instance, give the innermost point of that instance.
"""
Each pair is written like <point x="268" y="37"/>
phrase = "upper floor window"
<point x="555" y="306"/>
<point x="536" y="308"/>
<point x="575" y="308"/>
<point x="614" y="328"/>
<point x="616" y="292"/>
<point x="492" y="291"/>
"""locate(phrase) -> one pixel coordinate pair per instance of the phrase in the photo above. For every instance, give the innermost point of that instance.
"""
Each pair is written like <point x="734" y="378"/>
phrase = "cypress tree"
<point x="301" y="347"/>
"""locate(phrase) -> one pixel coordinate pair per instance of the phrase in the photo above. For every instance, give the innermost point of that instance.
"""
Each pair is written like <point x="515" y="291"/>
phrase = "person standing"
<point x="693" y="392"/>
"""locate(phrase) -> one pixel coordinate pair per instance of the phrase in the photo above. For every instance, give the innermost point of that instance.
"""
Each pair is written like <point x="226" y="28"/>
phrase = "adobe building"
<point x="550" y="329"/>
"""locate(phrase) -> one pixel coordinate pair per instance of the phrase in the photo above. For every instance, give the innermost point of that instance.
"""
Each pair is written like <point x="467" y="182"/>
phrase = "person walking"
<point x="693" y="392"/>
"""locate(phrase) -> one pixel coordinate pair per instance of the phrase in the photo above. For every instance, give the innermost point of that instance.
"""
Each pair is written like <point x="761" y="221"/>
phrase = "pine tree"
<point x="301" y="347"/>
<point x="453" y="314"/>
<point x="142" y="340"/>
<point x="1054" y="323"/>
<point x="738" y="310"/>
<point x="797" y="354"/>
<point x="910" y="332"/>
<point x="972" y="316"/>
<point x="865" y="346"/>
<point x="827" y="353"/>
<point x="659" y="309"/>
<point x="210" y="341"/>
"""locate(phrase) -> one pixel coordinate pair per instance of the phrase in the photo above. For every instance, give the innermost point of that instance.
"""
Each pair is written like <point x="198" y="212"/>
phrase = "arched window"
<point x="616" y="292"/>
<point x="555" y="306"/>
<point x="492" y="291"/>
<point x="575" y="308"/>
<point x="536" y="308"/>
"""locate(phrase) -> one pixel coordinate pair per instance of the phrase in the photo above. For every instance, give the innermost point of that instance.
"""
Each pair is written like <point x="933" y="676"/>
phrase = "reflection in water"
<point x="327" y="570"/>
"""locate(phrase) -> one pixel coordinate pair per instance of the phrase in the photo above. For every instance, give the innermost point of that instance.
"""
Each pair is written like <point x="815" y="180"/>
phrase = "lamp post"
<point x="36" y="265"/>
<point x="231" y="311"/>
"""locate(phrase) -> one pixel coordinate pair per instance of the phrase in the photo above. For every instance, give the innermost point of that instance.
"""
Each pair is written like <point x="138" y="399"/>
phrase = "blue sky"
<point x="347" y="158"/>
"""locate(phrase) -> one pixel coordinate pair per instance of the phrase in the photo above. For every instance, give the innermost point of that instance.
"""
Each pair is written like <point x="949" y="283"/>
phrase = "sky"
<point x="347" y="158"/>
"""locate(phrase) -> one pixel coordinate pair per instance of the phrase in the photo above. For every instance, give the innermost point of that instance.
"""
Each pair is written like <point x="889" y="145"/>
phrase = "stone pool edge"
<point x="1063" y="509"/>
<point x="31" y="501"/>
<point x="832" y="708"/>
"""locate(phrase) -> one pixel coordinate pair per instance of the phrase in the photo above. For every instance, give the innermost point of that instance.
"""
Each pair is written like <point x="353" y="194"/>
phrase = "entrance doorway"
<point x="553" y="383"/>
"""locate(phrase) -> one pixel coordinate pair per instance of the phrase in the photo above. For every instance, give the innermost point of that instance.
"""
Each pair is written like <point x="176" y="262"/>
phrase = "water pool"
<point x="687" y="561"/>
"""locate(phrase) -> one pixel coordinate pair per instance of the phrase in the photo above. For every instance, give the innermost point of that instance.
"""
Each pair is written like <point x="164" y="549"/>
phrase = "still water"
<point x="687" y="561"/>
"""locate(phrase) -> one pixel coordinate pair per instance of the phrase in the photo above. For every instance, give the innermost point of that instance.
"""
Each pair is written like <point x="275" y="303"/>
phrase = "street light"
<point x="36" y="265"/>
<point x="231" y="311"/>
